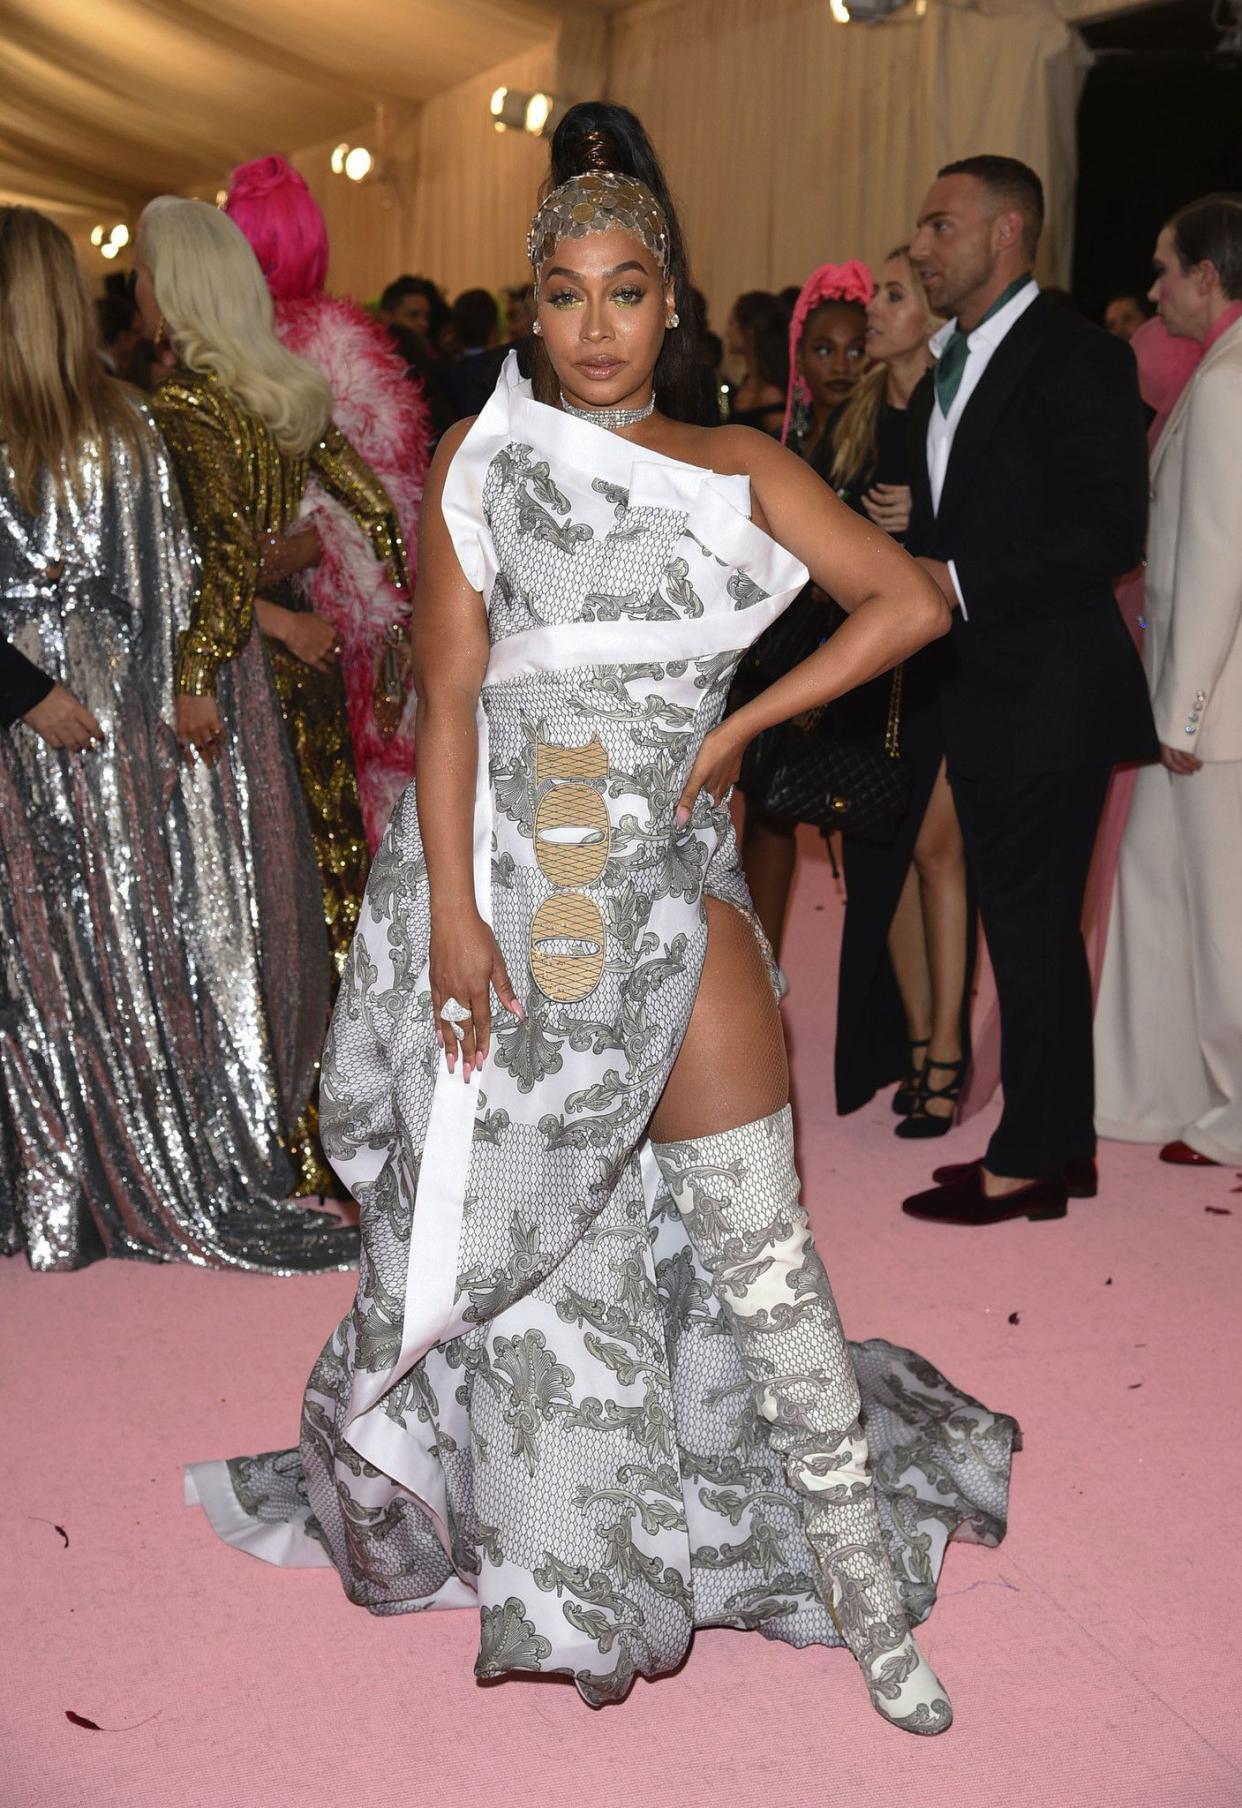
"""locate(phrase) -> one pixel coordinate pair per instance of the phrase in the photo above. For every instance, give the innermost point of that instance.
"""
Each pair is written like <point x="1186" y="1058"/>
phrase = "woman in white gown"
<point x="594" y="1382"/>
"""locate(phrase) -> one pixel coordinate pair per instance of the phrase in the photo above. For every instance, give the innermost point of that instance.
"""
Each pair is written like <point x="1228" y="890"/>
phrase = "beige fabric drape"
<point x="791" y="140"/>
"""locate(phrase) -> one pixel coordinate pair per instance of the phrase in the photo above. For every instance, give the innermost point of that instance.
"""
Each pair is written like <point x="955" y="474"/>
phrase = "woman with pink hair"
<point x="384" y="416"/>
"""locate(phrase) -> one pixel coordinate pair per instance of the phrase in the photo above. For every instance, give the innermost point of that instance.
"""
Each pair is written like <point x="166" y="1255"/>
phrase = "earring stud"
<point x="675" y="320"/>
<point x="536" y="328"/>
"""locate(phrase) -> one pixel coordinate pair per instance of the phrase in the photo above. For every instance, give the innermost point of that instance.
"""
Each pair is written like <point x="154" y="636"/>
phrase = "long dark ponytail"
<point x="597" y="135"/>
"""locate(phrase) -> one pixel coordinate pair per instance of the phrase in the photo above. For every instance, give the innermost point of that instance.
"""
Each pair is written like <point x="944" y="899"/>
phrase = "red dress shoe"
<point x="963" y="1201"/>
<point x="1082" y="1180"/>
<point x="1183" y="1156"/>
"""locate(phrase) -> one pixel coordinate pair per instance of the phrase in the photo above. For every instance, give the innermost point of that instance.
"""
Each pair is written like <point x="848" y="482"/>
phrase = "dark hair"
<point x="598" y="135"/>
<point x="1136" y="296"/>
<point x="115" y="315"/>
<point x="765" y="318"/>
<point x="1014" y="183"/>
<point x="1209" y="231"/>
<point x="402" y="286"/>
<point x="475" y="318"/>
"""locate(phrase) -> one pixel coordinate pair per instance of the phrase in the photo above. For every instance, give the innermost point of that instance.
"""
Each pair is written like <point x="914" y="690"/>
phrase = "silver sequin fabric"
<point x="163" y="961"/>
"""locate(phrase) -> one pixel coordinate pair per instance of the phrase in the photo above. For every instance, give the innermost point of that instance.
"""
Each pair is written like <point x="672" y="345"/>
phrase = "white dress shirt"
<point x="941" y="428"/>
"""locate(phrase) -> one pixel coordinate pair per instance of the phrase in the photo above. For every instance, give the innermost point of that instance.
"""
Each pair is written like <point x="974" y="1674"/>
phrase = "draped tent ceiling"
<point x="788" y="139"/>
<point x="106" y="102"/>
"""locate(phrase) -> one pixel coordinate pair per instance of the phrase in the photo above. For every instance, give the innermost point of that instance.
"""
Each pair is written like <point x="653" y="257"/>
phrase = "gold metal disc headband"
<point x="598" y="201"/>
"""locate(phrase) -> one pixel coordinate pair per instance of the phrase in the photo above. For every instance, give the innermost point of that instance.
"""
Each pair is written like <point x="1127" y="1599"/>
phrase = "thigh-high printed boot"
<point x="738" y="1193"/>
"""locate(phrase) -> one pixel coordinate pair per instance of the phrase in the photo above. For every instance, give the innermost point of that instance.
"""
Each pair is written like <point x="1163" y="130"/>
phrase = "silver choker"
<point x="610" y="417"/>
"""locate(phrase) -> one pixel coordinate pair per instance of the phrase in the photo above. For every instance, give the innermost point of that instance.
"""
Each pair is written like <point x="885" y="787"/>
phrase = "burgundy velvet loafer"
<point x="1082" y="1179"/>
<point x="1183" y="1156"/>
<point x="963" y="1201"/>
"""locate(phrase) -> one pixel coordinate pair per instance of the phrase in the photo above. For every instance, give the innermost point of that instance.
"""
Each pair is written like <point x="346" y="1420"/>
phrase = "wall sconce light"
<point x="109" y="241"/>
<point x="538" y="113"/>
<point x="355" y="162"/>
<point x="873" y="12"/>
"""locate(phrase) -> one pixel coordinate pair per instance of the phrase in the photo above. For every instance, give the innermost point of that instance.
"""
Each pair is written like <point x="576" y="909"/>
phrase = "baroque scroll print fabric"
<point x="534" y="1405"/>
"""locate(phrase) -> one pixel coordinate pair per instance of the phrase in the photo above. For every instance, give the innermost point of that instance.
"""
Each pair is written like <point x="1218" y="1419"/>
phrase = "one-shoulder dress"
<point x="535" y="1408"/>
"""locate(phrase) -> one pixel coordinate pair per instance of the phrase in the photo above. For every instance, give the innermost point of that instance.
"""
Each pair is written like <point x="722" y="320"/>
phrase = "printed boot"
<point x="738" y="1194"/>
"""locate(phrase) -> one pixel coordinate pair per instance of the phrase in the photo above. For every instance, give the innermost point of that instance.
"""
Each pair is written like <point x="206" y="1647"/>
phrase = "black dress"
<point x="871" y="1042"/>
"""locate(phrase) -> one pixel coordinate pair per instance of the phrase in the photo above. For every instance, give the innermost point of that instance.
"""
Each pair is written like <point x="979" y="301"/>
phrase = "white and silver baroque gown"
<point x="535" y="1407"/>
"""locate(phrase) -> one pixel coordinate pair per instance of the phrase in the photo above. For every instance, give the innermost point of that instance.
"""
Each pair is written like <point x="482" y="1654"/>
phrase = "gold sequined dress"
<point x="238" y="485"/>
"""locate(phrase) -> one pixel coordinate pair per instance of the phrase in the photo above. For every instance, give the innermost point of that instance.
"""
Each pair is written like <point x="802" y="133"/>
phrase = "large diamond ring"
<point x="455" y="1015"/>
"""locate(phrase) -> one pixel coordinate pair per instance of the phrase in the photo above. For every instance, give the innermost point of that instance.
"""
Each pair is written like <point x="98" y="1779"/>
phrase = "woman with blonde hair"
<point x="247" y="424"/>
<point x="142" y="1085"/>
<point x="907" y="949"/>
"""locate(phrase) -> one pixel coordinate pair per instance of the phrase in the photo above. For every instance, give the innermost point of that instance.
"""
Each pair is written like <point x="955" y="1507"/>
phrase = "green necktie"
<point x="949" y="367"/>
<point x="947" y="376"/>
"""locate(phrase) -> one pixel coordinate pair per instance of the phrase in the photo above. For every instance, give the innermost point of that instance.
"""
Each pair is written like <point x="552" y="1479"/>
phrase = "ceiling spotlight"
<point x="338" y="159"/>
<point x="120" y="236"/>
<point x="109" y="250"/>
<point x="871" y="12"/>
<point x="359" y="163"/>
<point x="508" y="109"/>
<point x="538" y="112"/>
<point x="97" y="235"/>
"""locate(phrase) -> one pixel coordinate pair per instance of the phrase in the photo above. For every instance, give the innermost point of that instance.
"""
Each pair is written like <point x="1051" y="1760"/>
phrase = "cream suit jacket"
<point x="1193" y="646"/>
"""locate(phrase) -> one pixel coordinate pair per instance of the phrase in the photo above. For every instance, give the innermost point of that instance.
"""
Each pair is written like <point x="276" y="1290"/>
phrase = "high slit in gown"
<point x="534" y="1408"/>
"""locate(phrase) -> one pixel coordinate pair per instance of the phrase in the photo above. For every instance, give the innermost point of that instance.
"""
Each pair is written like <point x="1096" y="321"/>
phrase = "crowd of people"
<point x="286" y="446"/>
<point x="920" y="622"/>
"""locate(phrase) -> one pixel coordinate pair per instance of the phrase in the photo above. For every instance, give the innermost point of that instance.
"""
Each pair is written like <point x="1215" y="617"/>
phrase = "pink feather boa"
<point x="382" y="413"/>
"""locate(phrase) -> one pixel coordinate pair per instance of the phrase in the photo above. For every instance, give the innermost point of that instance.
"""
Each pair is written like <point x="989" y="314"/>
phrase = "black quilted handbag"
<point x="824" y="767"/>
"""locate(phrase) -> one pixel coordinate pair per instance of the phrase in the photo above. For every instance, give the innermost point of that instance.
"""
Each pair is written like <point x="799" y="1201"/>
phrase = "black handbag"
<point x="824" y="767"/>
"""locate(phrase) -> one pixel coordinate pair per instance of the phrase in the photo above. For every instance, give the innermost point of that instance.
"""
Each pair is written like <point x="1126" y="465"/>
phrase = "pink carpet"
<point x="1093" y="1660"/>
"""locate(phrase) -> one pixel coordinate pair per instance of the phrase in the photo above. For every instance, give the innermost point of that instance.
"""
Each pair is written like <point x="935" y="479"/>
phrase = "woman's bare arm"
<point x="893" y="607"/>
<point x="449" y="649"/>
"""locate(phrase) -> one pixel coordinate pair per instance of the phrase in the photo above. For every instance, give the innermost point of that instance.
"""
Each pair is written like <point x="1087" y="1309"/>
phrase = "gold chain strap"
<point x="892" y="734"/>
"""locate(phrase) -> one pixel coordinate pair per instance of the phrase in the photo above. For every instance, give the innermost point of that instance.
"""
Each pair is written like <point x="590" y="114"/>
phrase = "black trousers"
<point x="1029" y="841"/>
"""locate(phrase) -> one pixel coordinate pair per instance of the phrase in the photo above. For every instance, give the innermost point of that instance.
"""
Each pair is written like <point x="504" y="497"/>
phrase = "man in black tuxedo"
<point x="1030" y="499"/>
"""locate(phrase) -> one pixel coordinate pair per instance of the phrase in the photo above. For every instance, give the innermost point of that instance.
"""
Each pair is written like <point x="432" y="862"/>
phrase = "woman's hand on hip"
<point x="715" y="769"/>
<point x="466" y="965"/>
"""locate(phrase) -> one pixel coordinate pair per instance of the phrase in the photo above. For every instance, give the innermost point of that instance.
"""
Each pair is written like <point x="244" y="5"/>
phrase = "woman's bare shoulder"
<point x="732" y="451"/>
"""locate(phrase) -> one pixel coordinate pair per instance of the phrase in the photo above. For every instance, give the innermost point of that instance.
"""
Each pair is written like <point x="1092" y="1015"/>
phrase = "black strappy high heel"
<point x="905" y="1098"/>
<point x="921" y="1122"/>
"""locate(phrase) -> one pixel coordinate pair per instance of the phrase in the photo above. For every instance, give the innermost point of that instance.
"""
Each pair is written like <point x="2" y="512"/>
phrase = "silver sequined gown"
<point x="535" y="1408"/>
<point x="156" y="1038"/>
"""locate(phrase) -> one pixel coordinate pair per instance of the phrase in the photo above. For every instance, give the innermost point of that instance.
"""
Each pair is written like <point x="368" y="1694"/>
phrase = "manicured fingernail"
<point x="519" y="1011"/>
<point x="682" y="816"/>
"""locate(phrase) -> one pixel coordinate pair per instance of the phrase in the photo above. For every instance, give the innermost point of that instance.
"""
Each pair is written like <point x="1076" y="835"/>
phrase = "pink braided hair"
<point x="831" y="282"/>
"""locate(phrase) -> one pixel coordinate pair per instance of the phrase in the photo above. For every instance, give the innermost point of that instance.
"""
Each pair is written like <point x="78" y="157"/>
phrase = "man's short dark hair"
<point x="1209" y="231"/>
<point x="476" y="319"/>
<point x="1014" y="184"/>
<point x="402" y="286"/>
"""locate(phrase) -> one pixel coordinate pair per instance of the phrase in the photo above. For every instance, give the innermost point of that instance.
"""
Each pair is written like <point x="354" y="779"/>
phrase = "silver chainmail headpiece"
<point x="598" y="201"/>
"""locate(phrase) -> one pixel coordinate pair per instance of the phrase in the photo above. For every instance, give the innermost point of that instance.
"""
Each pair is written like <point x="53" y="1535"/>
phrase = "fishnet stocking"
<point x="738" y="1194"/>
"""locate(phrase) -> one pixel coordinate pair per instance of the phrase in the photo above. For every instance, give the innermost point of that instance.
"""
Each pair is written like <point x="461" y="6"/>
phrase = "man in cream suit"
<point x="1169" y="1021"/>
